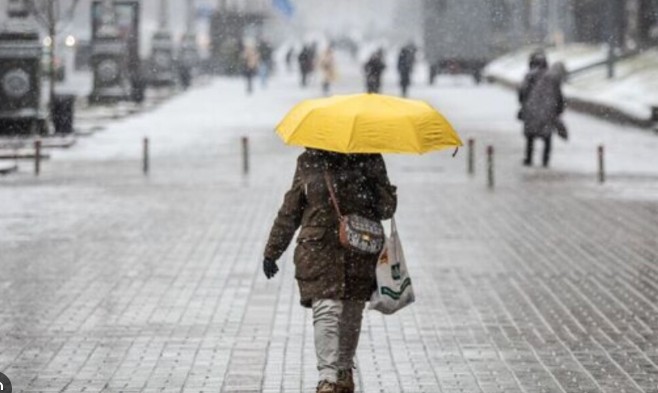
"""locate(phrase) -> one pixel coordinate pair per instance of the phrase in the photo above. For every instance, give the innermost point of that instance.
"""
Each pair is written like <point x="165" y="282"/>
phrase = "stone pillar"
<point x="109" y="59"/>
<point x="188" y="55"/>
<point x="162" y="64"/>
<point x="23" y="106"/>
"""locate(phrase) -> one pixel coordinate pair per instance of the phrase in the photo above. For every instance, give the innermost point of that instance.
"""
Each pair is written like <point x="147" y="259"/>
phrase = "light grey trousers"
<point x="336" y="325"/>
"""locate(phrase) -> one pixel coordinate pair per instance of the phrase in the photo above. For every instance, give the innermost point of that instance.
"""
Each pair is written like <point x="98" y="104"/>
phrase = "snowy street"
<point x="113" y="281"/>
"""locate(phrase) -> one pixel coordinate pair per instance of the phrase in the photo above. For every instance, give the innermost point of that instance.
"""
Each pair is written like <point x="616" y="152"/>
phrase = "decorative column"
<point x="109" y="58"/>
<point x="23" y="107"/>
<point x="189" y="53"/>
<point x="162" y="56"/>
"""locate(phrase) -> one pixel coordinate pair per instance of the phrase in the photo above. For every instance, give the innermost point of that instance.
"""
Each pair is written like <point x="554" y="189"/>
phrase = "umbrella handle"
<point x="455" y="152"/>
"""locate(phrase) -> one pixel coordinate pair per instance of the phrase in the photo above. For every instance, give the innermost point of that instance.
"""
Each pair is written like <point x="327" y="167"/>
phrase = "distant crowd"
<point x="257" y="60"/>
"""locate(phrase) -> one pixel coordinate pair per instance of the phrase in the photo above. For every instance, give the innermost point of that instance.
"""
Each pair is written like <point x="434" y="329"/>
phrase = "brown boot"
<point x="326" y="387"/>
<point x="345" y="382"/>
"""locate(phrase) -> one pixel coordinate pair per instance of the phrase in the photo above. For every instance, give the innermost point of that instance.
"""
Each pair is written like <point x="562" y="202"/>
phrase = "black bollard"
<point x="471" y="156"/>
<point x="490" y="166"/>
<point x="601" y="154"/>
<point x="245" y="155"/>
<point x="37" y="157"/>
<point x="145" y="156"/>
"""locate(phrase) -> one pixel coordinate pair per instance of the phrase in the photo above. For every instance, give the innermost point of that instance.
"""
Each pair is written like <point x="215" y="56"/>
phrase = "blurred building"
<point x="233" y="23"/>
<point x="630" y="23"/>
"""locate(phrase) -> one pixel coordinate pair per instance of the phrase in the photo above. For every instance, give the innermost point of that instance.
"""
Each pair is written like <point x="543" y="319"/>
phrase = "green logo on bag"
<point x="395" y="272"/>
<point x="392" y="293"/>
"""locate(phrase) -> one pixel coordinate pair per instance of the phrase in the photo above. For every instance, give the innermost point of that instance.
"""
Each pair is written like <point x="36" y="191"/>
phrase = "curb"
<point x="597" y="109"/>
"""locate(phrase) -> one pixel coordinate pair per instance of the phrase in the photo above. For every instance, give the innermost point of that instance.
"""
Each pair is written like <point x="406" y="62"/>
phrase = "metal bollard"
<point x="490" y="166"/>
<point x="471" y="156"/>
<point x="245" y="155"/>
<point x="601" y="154"/>
<point x="145" y="156"/>
<point x="37" y="157"/>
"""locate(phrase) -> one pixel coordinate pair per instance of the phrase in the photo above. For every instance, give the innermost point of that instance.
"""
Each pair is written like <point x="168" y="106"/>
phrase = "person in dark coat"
<point x="332" y="280"/>
<point x="306" y="60"/>
<point x="542" y="109"/>
<point x="374" y="69"/>
<point x="406" y="60"/>
<point x="537" y="65"/>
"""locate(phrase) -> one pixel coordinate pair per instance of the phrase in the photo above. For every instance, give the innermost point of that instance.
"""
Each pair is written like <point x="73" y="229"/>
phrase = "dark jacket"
<point x="374" y="69"/>
<point x="406" y="60"/>
<point x="528" y="83"/>
<point x="323" y="268"/>
<point x="544" y="104"/>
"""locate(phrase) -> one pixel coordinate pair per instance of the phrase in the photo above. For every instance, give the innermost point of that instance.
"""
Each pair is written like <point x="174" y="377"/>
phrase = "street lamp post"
<point x="52" y="33"/>
<point x="615" y="22"/>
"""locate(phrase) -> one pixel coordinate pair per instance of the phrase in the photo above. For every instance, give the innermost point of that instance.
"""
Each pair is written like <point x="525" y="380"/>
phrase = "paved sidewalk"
<point x="115" y="282"/>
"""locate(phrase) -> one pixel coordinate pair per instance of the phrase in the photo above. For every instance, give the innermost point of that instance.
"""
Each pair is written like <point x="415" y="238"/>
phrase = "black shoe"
<point x="527" y="163"/>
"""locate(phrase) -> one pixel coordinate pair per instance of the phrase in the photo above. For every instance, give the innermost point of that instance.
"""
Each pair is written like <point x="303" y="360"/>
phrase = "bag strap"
<point x="332" y="194"/>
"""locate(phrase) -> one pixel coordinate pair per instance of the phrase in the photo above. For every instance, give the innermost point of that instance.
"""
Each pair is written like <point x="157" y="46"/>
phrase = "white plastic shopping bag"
<point x="394" y="290"/>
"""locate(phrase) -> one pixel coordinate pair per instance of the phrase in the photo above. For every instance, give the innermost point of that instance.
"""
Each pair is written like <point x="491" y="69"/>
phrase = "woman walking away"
<point x="333" y="281"/>
<point x="542" y="110"/>
<point x="374" y="69"/>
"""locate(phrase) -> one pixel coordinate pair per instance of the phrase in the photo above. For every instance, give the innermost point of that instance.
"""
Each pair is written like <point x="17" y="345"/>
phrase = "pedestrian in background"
<point x="265" y="52"/>
<point x="374" y="68"/>
<point x="406" y="61"/>
<point x="328" y="68"/>
<point x="537" y="65"/>
<point x="542" y="109"/>
<point x="290" y="54"/>
<point x="333" y="281"/>
<point x="184" y="74"/>
<point x="250" y="61"/>
<point x="306" y="61"/>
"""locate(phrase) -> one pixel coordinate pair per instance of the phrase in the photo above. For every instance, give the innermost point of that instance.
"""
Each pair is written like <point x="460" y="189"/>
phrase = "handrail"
<point x="588" y="67"/>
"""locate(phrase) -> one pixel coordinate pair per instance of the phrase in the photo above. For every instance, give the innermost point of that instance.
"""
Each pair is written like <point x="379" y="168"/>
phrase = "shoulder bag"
<point x="357" y="233"/>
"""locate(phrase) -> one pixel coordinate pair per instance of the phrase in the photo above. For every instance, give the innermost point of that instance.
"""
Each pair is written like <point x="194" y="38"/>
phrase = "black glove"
<point x="269" y="268"/>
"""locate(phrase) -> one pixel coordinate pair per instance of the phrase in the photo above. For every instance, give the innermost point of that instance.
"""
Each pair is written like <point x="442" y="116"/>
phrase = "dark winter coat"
<point x="306" y="59"/>
<point x="544" y="104"/>
<point x="528" y="83"/>
<point x="374" y="69"/>
<point x="406" y="60"/>
<point x="323" y="268"/>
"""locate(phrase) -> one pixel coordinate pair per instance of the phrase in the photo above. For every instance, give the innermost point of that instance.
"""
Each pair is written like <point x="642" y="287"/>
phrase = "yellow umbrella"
<point x="367" y="123"/>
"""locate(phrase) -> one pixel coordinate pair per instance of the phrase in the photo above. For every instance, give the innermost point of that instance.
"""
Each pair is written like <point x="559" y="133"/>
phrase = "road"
<point x="114" y="281"/>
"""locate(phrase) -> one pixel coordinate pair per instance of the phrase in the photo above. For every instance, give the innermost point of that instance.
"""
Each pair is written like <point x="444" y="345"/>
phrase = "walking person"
<point x="266" y="66"/>
<point x="537" y="65"/>
<point x="289" y="58"/>
<point x="374" y="69"/>
<point x="541" y="111"/>
<point x="250" y="62"/>
<point x="333" y="281"/>
<point x="406" y="60"/>
<point x="306" y="60"/>
<point x="328" y="67"/>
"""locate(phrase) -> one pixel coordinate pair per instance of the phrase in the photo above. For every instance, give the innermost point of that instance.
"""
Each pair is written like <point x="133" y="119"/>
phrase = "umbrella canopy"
<point x="367" y="123"/>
